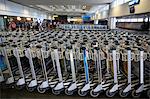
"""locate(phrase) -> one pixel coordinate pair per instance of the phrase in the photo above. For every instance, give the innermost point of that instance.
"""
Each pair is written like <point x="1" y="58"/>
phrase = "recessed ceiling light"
<point x="18" y="18"/>
<point x="84" y="7"/>
<point x="31" y="6"/>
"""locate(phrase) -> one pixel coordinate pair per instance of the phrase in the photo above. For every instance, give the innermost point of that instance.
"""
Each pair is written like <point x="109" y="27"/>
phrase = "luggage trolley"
<point x="59" y="86"/>
<point x="19" y="53"/>
<point x="143" y="84"/>
<point x="2" y="65"/>
<point x="102" y="85"/>
<point x="86" y="87"/>
<point x="33" y="54"/>
<point x="72" y="87"/>
<point x="7" y="53"/>
<point x="43" y="54"/>
<point x="127" y="58"/>
<point x="116" y="85"/>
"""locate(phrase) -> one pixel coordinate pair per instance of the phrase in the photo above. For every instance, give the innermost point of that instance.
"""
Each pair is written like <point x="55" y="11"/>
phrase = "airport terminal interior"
<point x="74" y="49"/>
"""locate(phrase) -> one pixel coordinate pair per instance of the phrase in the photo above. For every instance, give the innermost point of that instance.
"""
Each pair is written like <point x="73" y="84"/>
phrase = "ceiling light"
<point x="55" y="16"/>
<point x="84" y="7"/>
<point x="31" y="5"/>
<point x="28" y="19"/>
<point x="5" y="17"/>
<point x="18" y="18"/>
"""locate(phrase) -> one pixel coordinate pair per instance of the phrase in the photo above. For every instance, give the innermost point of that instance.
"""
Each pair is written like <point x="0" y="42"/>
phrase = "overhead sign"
<point x="132" y="9"/>
<point x="86" y="18"/>
<point x="134" y="2"/>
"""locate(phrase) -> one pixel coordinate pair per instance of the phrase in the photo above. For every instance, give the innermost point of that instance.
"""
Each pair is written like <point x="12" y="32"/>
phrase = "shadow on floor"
<point x="9" y="93"/>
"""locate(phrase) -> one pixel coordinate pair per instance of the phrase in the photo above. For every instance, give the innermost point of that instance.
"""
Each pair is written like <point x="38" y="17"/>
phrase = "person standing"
<point x="12" y="26"/>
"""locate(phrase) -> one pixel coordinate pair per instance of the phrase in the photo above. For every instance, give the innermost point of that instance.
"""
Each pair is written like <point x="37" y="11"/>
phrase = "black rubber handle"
<point x="83" y="48"/>
<point x="128" y="48"/>
<point x="14" y="45"/>
<point x="2" y="45"/>
<point x="97" y="48"/>
<point x="60" y="42"/>
<point x="38" y="46"/>
<point x="27" y="46"/>
<point x="54" y="47"/>
<point x="72" y="42"/>
<point x="69" y="47"/>
<point x="141" y="49"/>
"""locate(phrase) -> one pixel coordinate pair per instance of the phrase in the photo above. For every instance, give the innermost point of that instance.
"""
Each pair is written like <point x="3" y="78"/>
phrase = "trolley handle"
<point x="2" y="45"/>
<point x="128" y="48"/>
<point x="72" y="42"/>
<point x="14" y="46"/>
<point x="69" y="47"/>
<point x="60" y="42"/>
<point x="27" y="46"/>
<point x="97" y="48"/>
<point x="38" y="46"/>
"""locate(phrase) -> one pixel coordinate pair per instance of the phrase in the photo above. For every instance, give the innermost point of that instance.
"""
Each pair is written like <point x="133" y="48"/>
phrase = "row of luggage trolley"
<point x="76" y="62"/>
<point x="82" y="27"/>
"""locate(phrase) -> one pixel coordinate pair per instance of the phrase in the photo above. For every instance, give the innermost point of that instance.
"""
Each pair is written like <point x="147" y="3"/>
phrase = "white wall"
<point x="123" y="9"/>
<point x="14" y="9"/>
<point x="95" y="21"/>
<point x="104" y="14"/>
<point x="112" y="23"/>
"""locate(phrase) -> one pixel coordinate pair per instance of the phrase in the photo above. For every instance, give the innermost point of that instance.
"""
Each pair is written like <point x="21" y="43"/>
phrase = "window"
<point x="131" y="20"/>
<point x="146" y="19"/>
<point x="119" y="20"/>
<point x="128" y="20"/>
<point x="134" y="20"/>
<point x="140" y="20"/>
<point x="122" y="20"/>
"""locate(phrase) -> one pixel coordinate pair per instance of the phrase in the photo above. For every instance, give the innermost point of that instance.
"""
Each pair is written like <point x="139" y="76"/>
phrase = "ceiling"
<point x="65" y="7"/>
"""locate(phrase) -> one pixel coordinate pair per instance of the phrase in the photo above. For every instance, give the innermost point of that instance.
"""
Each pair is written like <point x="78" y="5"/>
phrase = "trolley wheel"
<point x="10" y="85"/>
<point x="82" y="93"/>
<point x="148" y="93"/>
<point x="69" y="93"/>
<point x="19" y="87"/>
<point x="110" y="94"/>
<point x="30" y="89"/>
<point x="94" y="94"/>
<point x="56" y="92"/>
<point x="41" y="90"/>
<point x="135" y="95"/>
<point x="123" y="94"/>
